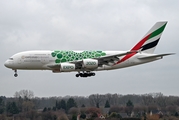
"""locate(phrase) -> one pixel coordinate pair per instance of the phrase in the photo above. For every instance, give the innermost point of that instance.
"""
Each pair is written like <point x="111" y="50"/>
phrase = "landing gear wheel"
<point x="81" y="74"/>
<point x="93" y="74"/>
<point x="77" y="75"/>
<point x="85" y="74"/>
<point x="15" y="75"/>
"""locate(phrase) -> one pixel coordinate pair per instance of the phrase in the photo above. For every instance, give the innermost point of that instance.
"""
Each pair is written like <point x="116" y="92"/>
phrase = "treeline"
<point x="99" y="100"/>
<point x="25" y="104"/>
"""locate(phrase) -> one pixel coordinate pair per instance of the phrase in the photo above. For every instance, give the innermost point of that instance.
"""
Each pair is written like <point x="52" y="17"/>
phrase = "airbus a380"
<point x="86" y="62"/>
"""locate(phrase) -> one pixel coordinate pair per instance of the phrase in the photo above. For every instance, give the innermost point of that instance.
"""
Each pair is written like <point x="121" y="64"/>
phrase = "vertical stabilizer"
<point x="151" y="39"/>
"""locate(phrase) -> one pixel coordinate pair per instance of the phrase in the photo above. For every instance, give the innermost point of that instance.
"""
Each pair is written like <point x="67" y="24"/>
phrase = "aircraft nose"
<point x="7" y="64"/>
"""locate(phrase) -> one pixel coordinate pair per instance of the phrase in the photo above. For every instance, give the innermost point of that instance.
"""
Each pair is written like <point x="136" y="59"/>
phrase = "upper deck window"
<point x="10" y="58"/>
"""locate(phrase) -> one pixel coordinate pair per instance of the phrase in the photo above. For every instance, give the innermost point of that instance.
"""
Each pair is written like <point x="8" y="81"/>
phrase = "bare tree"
<point x="117" y="109"/>
<point x="160" y="101"/>
<point x="152" y="108"/>
<point x="108" y="97"/>
<point x="96" y="99"/>
<point x="93" y="111"/>
<point x="24" y="94"/>
<point x="171" y="109"/>
<point x="27" y="106"/>
<point x="115" y="99"/>
<point x="147" y="99"/>
<point x="74" y="110"/>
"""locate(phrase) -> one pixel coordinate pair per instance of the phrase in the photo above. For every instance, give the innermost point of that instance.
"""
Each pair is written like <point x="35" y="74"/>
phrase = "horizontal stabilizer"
<point x="155" y="56"/>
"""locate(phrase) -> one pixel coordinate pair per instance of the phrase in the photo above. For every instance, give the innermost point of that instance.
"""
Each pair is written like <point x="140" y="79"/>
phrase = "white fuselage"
<point x="41" y="60"/>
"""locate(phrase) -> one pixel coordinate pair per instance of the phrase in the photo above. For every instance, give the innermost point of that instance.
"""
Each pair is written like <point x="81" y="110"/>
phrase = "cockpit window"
<point x="10" y="58"/>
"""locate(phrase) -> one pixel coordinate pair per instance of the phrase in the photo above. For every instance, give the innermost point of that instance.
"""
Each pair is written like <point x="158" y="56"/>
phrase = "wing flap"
<point x="117" y="55"/>
<point x="155" y="56"/>
<point x="112" y="59"/>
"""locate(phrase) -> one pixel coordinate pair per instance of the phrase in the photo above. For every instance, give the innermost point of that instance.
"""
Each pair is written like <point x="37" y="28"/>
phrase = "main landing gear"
<point x="15" y="74"/>
<point x="88" y="74"/>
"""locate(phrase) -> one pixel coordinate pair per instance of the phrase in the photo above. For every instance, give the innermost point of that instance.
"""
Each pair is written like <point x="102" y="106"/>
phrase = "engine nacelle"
<point x="90" y="63"/>
<point x="67" y="67"/>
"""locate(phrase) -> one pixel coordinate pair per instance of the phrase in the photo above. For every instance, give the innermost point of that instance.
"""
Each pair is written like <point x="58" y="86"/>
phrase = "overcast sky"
<point x="88" y="25"/>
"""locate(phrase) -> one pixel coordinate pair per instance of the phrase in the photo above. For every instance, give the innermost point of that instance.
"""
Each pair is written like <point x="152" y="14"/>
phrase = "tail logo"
<point x="148" y="42"/>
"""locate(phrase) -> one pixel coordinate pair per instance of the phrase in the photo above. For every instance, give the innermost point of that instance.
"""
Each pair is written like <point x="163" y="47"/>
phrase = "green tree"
<point x="19" y="104"/>
<point x="115" y="115"/>
<point x="129" y="107"/>
<point x="74" y="117"/>
<point x="2" y="105"/>
<point x="49" y="109"/>
<point x="45" y="109"/>
<point x="58" y="105"/>
<point x="83" y="116"/>
<point x="71" y="103"/>
<point x="54" y="108"/>
<point x="129" y="104"/>
<point x="107" y="105"/>
<point x="63" y="104"/>
<point x="82" y="105"/>
<point x="176" y="114"/>
<point x="12" y="108"/>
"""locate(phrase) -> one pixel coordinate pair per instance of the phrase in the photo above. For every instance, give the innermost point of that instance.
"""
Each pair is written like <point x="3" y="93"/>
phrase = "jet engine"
<point x="67" y="67"/>
<point x="90" y="63"/>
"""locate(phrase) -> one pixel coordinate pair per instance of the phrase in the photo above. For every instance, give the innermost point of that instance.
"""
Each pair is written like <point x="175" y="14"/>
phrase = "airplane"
<point x="87" y="61"/>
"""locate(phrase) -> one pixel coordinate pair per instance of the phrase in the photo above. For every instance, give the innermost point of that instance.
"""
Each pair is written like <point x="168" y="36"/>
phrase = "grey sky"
<point x="91" y="25"/>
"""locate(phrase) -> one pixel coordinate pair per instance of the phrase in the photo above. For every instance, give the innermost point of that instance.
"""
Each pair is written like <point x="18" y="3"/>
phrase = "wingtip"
<point x="172" y="53"/>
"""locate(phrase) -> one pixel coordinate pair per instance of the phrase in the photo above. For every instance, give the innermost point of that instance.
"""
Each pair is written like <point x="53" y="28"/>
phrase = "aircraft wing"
<point x="155" y="56"/>
<point x="104" y="60"/>
<point x="112" y="58"/>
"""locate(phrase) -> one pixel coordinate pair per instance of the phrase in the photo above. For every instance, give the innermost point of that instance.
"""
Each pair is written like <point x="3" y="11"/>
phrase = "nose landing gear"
<point x="15" y="74"/>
